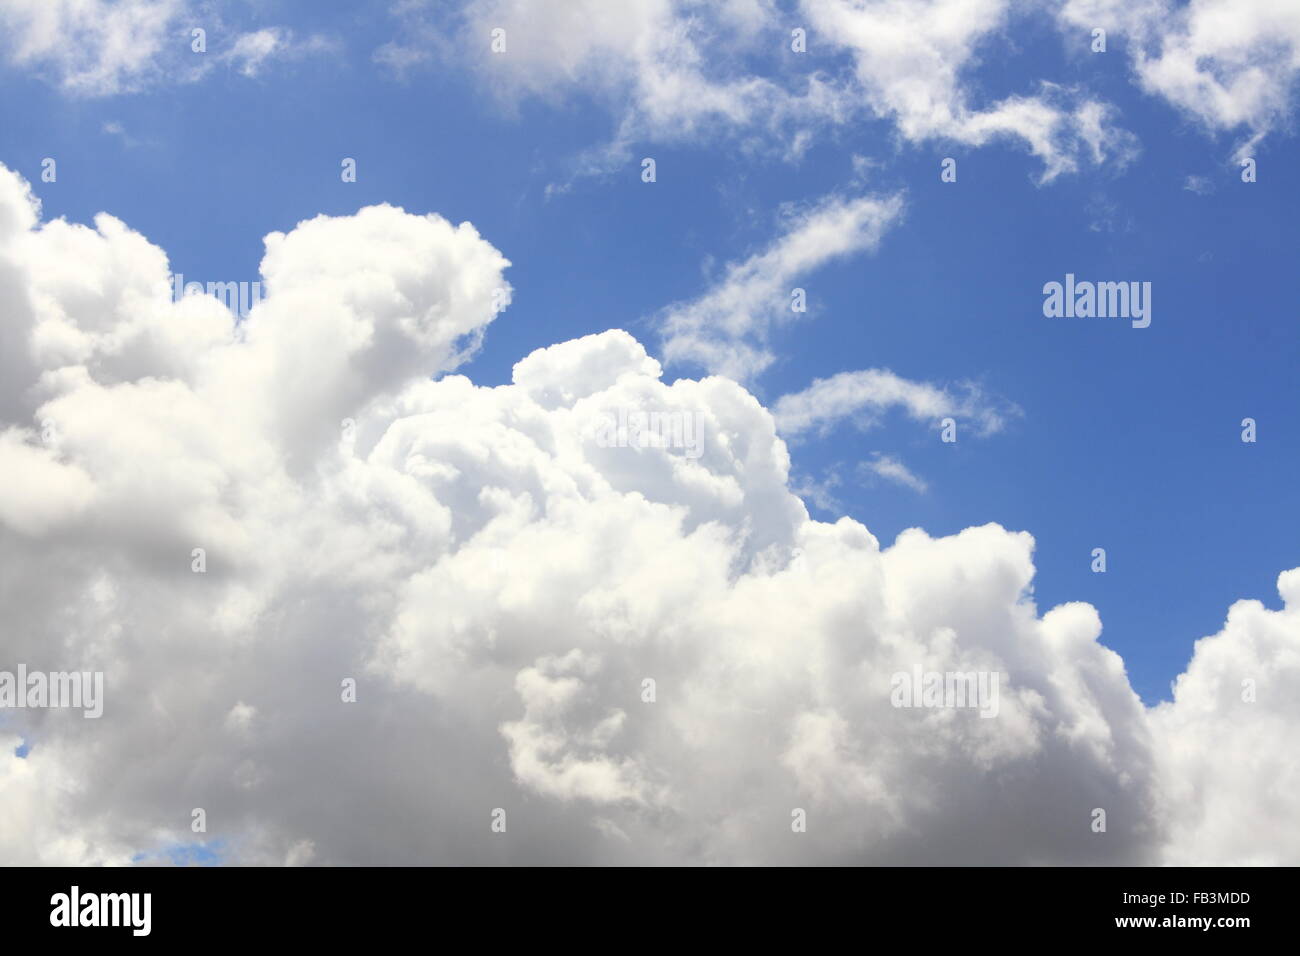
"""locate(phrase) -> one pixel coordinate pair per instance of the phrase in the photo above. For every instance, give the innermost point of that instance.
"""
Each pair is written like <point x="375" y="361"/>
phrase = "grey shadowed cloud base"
<point x="500" y="585"/>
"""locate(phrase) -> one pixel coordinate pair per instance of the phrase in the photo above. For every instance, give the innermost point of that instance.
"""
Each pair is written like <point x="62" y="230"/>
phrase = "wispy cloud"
<point x="891" y="469"/>
<point x="863" y="396"/>
<point x="252" y="51"/>
<point x="97" y="48"/>
<point x="1230" y="64"/>
<point x="726" y="330"/>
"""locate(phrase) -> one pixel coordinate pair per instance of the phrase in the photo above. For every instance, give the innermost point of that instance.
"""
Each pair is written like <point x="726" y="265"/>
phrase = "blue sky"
<point x="355" y="609"/>
<point x="1129" y="439"/>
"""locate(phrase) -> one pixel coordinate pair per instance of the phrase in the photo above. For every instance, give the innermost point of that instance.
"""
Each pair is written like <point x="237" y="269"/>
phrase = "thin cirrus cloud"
<point x="501" y="586"/>
<point x="891" y="469"/>
<point x="252" y="51"/>
<point x="862" y="396"/>
<point x="726" y="330"/>
<point x="97" y="48"/>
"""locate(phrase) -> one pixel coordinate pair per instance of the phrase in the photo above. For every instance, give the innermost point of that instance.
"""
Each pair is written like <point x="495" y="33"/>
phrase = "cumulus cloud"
<point x="502" y="587"/>
<point x="1227" y="765"/>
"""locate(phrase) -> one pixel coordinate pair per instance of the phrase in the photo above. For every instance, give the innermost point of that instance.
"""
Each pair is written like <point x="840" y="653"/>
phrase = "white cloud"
<point x="910" y="57"/>
<point x="500" y="586"/>
<point x="92" y="47"/>
<point x="116" y="129"/>
<point x="1229" y="762"/>
<point x="674" y="70"/>
<point x="820" y="492"/>
<point x="862" y="396"/>
<point x="891" y="469"/>
<point x="677" y="69"/>
<point x="253" y="50"/>
<point x="1231" y="64"/>
<point x="109" y="47"/>
<point x="726" y="329"/>
<point x="668" y="70"/>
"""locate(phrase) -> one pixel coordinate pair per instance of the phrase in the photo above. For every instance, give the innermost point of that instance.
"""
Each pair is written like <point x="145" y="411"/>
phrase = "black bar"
<point x="214" y="905"/>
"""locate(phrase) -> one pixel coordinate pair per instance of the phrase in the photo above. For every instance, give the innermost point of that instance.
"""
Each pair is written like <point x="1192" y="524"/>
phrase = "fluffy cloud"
<point x="1228" y="739"/>
<point x="502" y="586"/>
<point x="1232" y="64"/>
<point x="910" y="57"/>
<point x="91" y="47"/>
